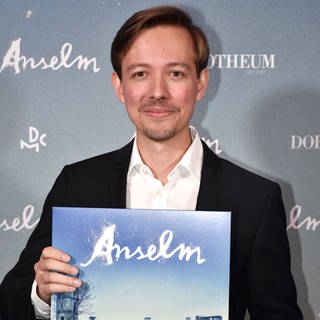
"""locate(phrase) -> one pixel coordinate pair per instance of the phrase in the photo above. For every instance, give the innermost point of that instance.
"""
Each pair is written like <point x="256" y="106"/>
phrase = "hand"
<point x="48" y="271"/>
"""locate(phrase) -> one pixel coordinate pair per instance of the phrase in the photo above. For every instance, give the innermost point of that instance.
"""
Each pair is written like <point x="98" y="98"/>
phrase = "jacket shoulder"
<point x="239" y="175"/>
<point x="104" y="160"/>
<point x="96" y="181"/>
<point x="231" y="173"/>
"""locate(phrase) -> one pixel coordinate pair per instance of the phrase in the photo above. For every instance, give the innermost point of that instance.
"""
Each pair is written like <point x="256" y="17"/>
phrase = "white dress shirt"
<point x="146" y="192"/>
<point x="180" y="192"/>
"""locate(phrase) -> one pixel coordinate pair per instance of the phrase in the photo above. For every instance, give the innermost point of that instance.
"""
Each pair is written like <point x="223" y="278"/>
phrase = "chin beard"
<point x="158" y="135"/>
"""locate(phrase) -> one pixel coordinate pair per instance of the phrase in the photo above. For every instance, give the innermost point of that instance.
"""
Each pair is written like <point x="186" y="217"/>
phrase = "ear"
<point x="202" y="84"/>
<point x="117" y="87"/>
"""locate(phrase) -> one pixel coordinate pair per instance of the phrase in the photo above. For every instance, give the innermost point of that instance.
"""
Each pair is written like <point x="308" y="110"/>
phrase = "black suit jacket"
<point x="260" y="276"/>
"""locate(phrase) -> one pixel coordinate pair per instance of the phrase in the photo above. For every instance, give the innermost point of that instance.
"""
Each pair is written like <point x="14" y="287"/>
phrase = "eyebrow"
<point x="180" y="64"/>
<point x="146" y="65"/>
<point x="137" y="65"/>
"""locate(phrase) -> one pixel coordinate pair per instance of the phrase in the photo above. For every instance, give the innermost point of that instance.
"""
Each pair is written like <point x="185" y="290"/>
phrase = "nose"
<point x="158" y="88"/>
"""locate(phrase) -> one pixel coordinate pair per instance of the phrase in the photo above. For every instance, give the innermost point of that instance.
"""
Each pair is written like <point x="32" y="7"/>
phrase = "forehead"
<point x="160" y="44"/>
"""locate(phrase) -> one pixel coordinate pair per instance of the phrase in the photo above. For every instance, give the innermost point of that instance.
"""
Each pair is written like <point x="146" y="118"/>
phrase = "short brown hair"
<point x="152" y="17"/>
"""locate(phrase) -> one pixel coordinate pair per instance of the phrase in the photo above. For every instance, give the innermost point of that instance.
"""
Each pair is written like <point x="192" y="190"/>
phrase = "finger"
<point x="53" y="253"/>
<point x="46" y="265"/>
<point x="50" y="282"/>
<point x="45" y="291"/>
<point x="53" y="288"/>
<point x="60" y="279"/>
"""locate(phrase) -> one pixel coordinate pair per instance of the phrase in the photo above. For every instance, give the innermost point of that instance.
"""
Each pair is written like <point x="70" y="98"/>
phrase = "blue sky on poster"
<point x="168" y="287"/>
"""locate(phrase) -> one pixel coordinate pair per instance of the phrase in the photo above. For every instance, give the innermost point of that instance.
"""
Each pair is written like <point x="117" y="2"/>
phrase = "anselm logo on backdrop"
<point x="296" y="221"/>
<point x="249" y="62"/>
<point x="25" y="222"/>
<point x="64" y="60"/>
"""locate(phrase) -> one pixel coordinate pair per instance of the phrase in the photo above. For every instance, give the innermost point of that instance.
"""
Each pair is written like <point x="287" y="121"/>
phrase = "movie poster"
<point x="144" y="264"/>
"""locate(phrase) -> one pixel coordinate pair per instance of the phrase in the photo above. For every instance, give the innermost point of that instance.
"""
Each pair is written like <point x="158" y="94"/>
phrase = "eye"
<point x="176" y="74"/>
<point x="139" y="74"/>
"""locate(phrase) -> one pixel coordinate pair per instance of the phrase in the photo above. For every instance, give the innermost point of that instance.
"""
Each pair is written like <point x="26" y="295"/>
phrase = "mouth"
<point x="159" y="111"/>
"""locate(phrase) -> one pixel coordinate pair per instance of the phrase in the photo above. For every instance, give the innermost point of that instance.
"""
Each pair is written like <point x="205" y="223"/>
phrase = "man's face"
<point x="159" y="85"/>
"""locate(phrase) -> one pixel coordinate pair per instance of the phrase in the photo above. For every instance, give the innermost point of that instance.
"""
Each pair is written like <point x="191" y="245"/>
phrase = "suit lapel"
<point x="211" y="182"/>
<point x="118" y="176"/>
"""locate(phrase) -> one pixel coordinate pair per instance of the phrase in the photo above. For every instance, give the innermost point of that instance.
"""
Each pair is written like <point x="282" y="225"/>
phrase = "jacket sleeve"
<point x="271" y="289"/>
<point x="15" y="290"/>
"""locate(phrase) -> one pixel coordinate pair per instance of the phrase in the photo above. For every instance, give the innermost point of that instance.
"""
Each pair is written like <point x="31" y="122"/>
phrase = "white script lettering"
<point x="18" y="224"/>
<point x="106" y="248"/>
<point x="213" y="144"/>
<point x="311" y="224"/>
<point x="13" y="58"/>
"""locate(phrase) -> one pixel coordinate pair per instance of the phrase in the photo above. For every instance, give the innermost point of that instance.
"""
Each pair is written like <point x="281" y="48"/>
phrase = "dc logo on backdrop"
<point x="35" y="140"/>
<point x="307" y="142"/>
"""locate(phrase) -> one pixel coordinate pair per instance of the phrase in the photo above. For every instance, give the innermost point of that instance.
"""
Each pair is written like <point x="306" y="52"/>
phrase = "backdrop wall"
<point x="262" y="110"/>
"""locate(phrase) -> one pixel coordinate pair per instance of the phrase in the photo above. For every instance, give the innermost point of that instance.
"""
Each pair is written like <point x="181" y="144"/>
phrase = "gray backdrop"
<point x="261" y="111"/>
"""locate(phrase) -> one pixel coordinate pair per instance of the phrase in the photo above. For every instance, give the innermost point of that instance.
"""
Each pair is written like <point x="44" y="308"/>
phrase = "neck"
<point x="162" y="156"/>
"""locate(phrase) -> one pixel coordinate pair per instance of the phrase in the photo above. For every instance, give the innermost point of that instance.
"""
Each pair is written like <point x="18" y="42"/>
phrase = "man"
<point x="159" y="59"/>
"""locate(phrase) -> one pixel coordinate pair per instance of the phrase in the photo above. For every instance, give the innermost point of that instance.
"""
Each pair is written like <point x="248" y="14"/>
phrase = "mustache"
<point x="159" y="103"/>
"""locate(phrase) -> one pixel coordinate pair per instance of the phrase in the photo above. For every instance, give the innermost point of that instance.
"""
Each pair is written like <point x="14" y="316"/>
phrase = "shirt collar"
<point x="190" y="163"/>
